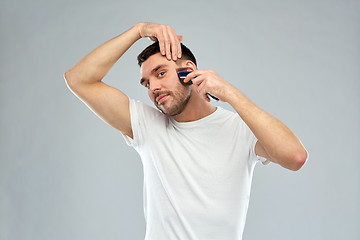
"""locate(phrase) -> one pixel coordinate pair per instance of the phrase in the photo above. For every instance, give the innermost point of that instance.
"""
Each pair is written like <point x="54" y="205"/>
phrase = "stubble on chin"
<point x="177" y="104"/>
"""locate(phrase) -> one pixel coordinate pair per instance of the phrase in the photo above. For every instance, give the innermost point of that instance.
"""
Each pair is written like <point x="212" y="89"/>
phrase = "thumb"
<point x="153" y="38"/>
<point x="180" y="38"/>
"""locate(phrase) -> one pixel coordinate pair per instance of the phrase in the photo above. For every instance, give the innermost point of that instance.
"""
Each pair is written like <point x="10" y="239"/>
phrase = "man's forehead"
<point x="153" y="62"/>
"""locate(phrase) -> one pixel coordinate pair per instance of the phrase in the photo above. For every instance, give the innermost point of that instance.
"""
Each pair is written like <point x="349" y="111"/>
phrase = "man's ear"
<point x="190" y="65"/>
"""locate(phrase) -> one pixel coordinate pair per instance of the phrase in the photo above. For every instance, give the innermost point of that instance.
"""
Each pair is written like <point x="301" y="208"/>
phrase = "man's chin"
<point x="172" y="106"/>
<point x="169" y="111"/>
<point x="166" y="111"/>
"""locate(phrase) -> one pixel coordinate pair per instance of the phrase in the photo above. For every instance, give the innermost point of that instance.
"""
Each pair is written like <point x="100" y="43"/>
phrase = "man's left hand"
<point x="208" y="81"/>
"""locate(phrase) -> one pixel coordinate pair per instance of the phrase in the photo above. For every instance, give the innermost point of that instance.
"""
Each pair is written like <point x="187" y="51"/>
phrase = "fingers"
<point x="193" y="75"/>
<point x="172" y="43"/>
<point x="204" y="81"/>
<point x="201" y="90"/>
<point x="153" y="39"/>
<point x="179" y="53"/>
<point x="199" y="80"/>
<point x="169" y="42"/>
<point x="161" y="40"/>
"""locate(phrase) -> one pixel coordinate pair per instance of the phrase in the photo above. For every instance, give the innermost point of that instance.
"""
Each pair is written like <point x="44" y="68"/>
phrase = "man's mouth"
<point x="161" y="98"/>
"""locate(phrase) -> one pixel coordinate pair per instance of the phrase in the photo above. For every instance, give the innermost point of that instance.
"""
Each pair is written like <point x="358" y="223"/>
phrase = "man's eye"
<point x="146" y="84"/>
<point x="161" y="74"/>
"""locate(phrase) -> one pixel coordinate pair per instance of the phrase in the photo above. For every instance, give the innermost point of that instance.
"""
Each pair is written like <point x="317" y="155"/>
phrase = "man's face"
<point x="159" y="75"/>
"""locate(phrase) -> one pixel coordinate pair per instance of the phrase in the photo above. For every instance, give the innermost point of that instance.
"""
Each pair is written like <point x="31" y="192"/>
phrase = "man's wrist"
<point x="137" y="27"/>
<point x="231" y="94"/>
<point x="235" y="98"/>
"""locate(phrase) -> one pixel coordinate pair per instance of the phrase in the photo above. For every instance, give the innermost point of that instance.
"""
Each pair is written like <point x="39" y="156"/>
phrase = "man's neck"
<point x="196" y="109"/>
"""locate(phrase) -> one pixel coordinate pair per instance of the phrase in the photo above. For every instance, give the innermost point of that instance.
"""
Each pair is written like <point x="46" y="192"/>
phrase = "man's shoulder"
<point x="139" y="104"/>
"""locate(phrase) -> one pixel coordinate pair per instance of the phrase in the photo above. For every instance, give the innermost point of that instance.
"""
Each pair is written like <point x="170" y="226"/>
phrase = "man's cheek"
<point x="151" y="96"/>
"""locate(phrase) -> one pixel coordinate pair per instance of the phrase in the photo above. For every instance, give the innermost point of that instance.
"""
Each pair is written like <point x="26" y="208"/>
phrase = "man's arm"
<point x="276" y="141"/>
<point x="84" y="79"/>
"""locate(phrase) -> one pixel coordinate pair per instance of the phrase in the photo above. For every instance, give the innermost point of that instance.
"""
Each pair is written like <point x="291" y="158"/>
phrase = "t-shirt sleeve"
<point x="142" y="118"/>
<point x="252" y="140"/>
<point x="137" y="124"/>
<point x="253" y="155"/>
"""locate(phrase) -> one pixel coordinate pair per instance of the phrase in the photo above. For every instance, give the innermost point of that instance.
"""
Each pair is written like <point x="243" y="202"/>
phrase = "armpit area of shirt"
<point x="129" y="141"/>
<point x="263" y="160"/>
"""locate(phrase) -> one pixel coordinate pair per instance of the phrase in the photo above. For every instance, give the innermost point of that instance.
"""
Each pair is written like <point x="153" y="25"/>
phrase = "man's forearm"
<point x="276" y="138"/>
<point x="94" y="66"/>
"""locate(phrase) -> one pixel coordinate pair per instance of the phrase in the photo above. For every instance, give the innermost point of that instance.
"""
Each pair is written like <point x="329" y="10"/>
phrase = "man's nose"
<point x="155" y="86"/>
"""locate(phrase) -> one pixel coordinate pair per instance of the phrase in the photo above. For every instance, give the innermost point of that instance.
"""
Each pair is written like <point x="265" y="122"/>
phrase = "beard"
<point x="180" y="99"/>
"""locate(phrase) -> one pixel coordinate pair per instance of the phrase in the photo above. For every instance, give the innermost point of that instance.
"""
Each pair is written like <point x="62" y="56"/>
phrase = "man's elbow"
<point x="298" y="160"/>
<point x="66" y="76"/>
<point x="68" y="80"/>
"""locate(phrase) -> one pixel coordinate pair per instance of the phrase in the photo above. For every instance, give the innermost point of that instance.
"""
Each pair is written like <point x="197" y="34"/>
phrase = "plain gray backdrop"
<point x="66" y="174"/>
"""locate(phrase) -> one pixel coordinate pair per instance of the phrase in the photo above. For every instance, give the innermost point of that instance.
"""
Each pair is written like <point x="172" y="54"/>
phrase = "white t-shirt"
<point x="197" y="175"/>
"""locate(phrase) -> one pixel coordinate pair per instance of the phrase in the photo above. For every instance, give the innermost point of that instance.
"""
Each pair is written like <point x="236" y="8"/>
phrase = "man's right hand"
<point x="169" y="42"/>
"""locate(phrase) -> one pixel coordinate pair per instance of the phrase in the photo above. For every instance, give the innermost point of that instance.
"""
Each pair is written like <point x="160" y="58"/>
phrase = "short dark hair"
<point x="154" y="48"/>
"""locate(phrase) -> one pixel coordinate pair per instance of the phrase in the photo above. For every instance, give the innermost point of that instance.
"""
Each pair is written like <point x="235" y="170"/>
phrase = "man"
<point x="198" y="159"/>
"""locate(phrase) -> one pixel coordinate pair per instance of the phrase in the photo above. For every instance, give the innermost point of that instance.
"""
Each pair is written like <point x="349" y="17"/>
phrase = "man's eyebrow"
<point x="157" y="68"/>
<point x="152" y="71"/>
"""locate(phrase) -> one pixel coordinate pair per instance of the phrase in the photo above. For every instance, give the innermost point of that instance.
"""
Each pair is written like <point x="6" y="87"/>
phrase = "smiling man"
<point x="198" y="158"/>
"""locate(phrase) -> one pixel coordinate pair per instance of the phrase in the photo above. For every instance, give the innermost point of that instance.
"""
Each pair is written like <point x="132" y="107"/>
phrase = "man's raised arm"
<point x="84" y="79"/>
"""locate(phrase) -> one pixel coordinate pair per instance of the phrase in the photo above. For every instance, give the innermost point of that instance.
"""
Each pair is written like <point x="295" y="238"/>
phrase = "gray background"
<point x="65" y="174"/>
